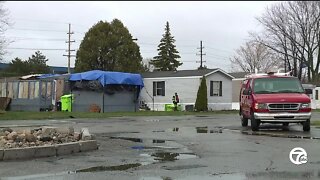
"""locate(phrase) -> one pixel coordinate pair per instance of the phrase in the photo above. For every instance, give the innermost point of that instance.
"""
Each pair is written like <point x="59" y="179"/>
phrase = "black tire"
<point x="255" y="123"/>
<point x="285" y="126"/>
<point x="306" y="125"/>
<point x="244" y="121"/>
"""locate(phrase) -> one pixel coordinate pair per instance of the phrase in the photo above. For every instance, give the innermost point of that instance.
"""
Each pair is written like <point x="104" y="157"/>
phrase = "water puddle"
<point x="183" y="167"/>
<point x="278" y="135"/>
<point x="140" y="140"/>
<point x="197" y="130"/>
<point x="129" y="139"/>
<point x="158" y="131"/>
<point x="110" y="168"/>
<point x="244" y="176"/>
<point x="167" y="156"/>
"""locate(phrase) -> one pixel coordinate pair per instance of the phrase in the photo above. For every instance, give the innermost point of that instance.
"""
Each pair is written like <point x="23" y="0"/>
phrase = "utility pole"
<point x="69" y="47"/>
<point x="201" y="54"/>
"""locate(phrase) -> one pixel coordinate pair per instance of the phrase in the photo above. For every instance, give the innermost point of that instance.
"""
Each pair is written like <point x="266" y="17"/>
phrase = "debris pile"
<point x="42" y="136"/>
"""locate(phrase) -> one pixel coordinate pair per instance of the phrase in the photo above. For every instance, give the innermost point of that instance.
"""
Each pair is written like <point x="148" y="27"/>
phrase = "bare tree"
<point x="4" y="24"/>
<point x="253" y="55"/>
<point x="291" y="29"/>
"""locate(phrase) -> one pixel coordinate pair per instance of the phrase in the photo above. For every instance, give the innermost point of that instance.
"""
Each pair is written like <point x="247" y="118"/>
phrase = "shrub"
<point x="202" y="98"/>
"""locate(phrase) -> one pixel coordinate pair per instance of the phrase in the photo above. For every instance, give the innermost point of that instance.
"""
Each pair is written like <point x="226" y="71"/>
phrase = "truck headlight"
<point x="305" y="105"/>
<point x="260" y="106"/>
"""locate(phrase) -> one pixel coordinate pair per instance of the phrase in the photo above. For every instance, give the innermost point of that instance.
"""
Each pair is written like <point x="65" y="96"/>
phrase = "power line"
<point x="219" y="49"/>
<point x="47" y="30"/>
<point x="41" y="21"/>
<point x="49" y="49"/>
<point x="214" y="55"/>
<point x="44" y="39"/>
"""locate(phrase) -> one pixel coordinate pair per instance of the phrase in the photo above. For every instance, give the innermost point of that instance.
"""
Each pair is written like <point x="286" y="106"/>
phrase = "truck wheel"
<point x="244" y="121"/>
<point x="255" y="123"/>
<point x="285" y="124"/>
<point x="306" y="125"/>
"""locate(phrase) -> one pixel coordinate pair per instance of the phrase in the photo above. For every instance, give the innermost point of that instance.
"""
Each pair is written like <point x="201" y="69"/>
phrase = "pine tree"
<point x="167" y="53"/>
<point x="202" y="98"/>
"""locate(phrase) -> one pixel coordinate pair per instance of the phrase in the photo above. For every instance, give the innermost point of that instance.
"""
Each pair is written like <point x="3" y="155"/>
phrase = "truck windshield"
<point x="277" y="85"/>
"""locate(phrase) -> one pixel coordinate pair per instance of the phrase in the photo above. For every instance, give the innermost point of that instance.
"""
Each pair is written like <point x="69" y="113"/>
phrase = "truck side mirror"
<point x="308" y="91"/>
<point x="247" y="92"/>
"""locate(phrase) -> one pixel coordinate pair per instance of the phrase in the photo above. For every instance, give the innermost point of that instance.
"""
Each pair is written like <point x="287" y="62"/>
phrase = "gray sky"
<point x="222" y="26"/>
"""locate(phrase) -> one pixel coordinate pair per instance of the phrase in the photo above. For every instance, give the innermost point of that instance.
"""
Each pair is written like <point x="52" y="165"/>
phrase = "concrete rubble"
<point x="43" y="136"/>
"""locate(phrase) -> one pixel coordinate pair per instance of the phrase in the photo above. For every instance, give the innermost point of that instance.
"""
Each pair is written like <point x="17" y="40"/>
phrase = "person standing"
<point x="175" y="100"/>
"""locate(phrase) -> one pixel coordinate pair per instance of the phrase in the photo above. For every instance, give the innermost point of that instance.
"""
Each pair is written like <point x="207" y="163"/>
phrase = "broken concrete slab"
<point x="88" y="145"/>
<point x="65" y="130"/>
<point x="85" y="135"/>
<point x="47" y="130"/>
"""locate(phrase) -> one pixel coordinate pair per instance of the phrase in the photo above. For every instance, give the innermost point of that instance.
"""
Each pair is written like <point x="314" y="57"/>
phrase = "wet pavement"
<point x="174" y="148"/>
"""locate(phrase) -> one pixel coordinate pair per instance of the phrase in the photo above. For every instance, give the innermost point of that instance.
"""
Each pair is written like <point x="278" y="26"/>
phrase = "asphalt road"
<point x="170" y="148"/>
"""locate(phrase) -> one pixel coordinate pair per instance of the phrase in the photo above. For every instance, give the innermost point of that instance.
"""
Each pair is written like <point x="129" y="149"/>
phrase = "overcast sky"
<point x="222" y="26"/>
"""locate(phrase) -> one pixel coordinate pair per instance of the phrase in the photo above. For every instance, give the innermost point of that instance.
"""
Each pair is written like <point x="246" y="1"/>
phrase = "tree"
<point x="202" y="98"/>
<point x="167" y="53"/>
<point x="108" y="47"/>
<point x="253" y="55"/>
<point x="4" y="23"/>
<point x="292" y="29"/>
<point x="36" y="64"/>
<point x="17" y="67"/>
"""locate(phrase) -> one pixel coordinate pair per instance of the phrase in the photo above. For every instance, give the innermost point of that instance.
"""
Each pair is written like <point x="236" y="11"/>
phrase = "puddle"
<point x="109" y="168"/>
<point x="139" y="140"/>
<point x="278" y="135"/>
<point x="128" y="139"/>
<point x="156" y="131"/>
<point x="168" y="156"/>
<point x="156" y="141"/>
<point x="197" y="130"/>
<point x="38" y="176"/>
<point x="244" y="176"/>
<point x="183" y="167"/>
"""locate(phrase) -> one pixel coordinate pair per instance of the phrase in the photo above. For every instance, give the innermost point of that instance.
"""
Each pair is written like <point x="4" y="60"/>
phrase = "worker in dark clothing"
<point x="175" y="100"/>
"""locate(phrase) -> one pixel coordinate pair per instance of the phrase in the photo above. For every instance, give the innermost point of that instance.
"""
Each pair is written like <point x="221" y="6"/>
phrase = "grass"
<point x="315" y="123"/>
<point x="9" y="115"/>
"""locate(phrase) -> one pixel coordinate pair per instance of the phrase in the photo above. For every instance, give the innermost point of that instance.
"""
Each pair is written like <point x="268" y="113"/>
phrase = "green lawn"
<point x="65" y="115"/>
<point x="315" y="123"/>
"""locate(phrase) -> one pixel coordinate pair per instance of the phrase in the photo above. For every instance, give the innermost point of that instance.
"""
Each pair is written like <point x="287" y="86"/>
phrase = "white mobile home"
<point x="236" y="86"/>
<point x="160" y="86"/>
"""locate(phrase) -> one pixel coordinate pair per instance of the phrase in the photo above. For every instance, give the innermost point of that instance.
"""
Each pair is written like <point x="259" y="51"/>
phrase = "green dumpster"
<point x="66" y="104"/>
<point x="170" y="107"/>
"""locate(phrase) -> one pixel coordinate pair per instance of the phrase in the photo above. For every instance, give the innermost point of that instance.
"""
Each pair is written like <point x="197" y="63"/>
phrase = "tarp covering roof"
<point x="108" y="77"/>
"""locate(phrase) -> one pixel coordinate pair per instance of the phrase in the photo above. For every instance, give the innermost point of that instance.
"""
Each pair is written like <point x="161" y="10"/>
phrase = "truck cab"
<point x="274" y="98"/>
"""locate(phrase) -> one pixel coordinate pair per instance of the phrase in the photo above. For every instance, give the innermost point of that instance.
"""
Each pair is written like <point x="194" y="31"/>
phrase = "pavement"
<point x="173" y="148"/>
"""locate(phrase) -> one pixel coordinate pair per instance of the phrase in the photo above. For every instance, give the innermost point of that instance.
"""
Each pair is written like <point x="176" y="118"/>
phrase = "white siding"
<point x="223" y="102"/>
<point x="187" y="88"/>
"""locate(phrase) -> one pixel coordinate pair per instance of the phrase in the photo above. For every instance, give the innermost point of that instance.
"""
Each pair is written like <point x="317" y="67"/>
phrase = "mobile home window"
<point x="159" y="88"/>
<point x="215" y="88"/>
<point x="317" y="95"/>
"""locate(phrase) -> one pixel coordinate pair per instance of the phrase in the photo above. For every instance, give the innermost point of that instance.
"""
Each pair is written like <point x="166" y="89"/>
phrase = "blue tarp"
<point x="107" y="77"/>
<point x="43" y="76"/>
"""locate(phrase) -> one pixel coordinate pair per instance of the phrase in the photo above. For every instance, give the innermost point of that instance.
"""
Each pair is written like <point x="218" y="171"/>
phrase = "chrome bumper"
<point x="282" y="117"/>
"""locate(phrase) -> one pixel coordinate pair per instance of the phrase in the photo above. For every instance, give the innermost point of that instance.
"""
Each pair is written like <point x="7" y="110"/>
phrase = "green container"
<point x="170" y="107"/>
<point x="66" y="104"/>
